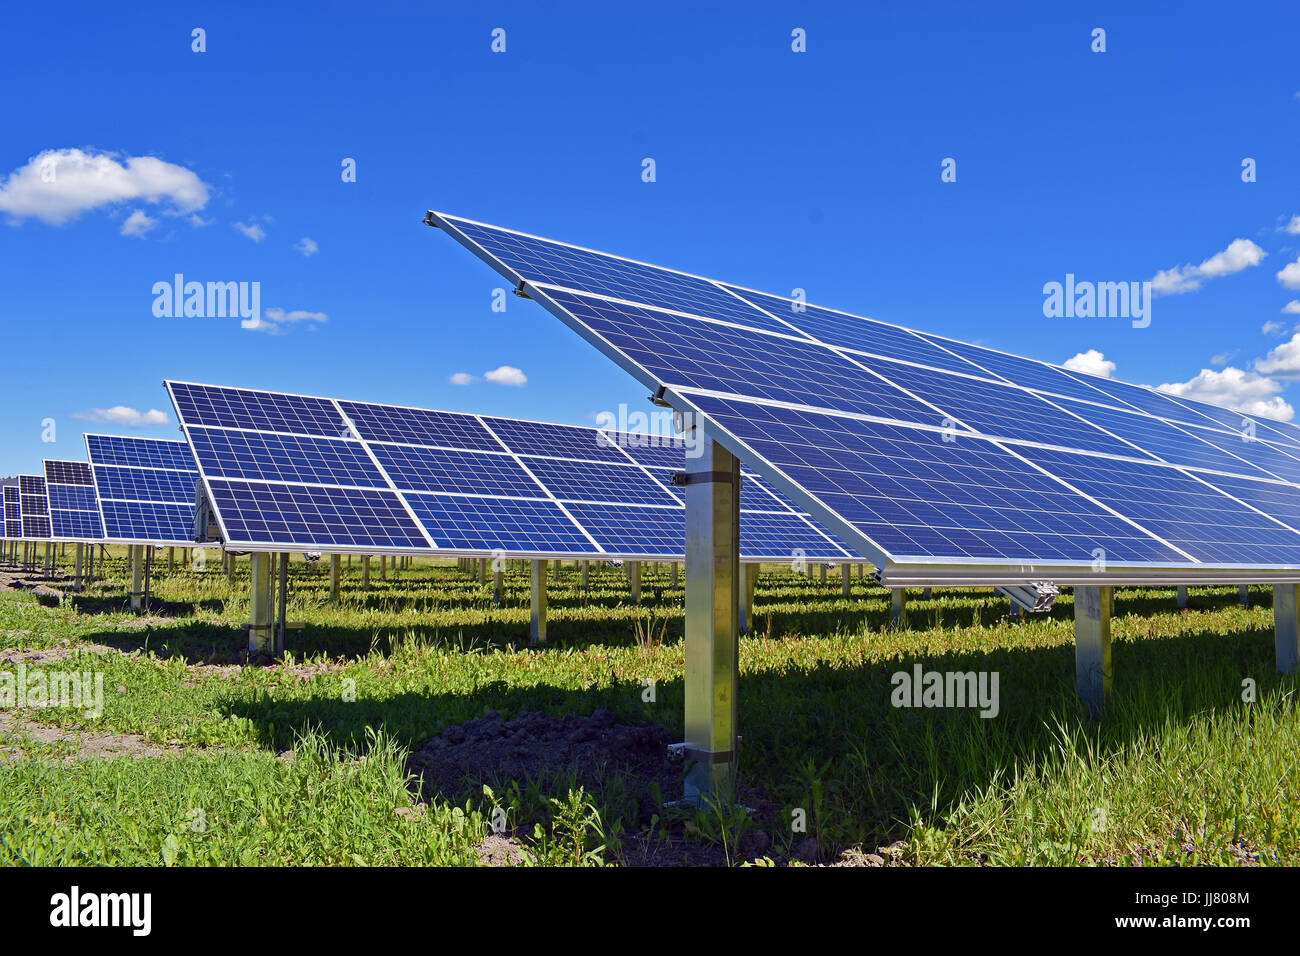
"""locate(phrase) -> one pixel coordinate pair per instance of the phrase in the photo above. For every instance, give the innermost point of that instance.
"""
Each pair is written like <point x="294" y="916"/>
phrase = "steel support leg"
<point x="821" y="574"/>
<point x="1245" y="595"/>
<point x="282" y="616"/>
<point x="897" y="603"/>
<point x="672" y="581"/>
<point x="634" y="580"/>
<point x="259" y="604"/>
<point x="1092" y="667"/>
<point x="365" y="572"/>
<point x="137" y="576"/>
<point x="846" y="579"/>
<point x="1182" y="596"/>
<point x="749" y="577"/>
<point x="586" y="575"/>
<point x="1286" y="626"/>
<point x="77" y="567"/>
<point x="336" y="562"/>
<point x="537" y="617"/>
<point x="712" y="594"/>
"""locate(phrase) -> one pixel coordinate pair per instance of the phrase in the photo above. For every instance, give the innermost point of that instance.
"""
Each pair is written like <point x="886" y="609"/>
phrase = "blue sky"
<point x="774" y="169"/>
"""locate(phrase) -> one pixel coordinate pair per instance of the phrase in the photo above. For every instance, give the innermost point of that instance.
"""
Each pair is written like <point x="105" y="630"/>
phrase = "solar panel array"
<point x="11" y="525"/>
<point x="34" y="507"/>
<point x="146" y="489"/>
<point x="74" y="506"/>
<point x="297" y="472"/>
<point x="921" y="450"/>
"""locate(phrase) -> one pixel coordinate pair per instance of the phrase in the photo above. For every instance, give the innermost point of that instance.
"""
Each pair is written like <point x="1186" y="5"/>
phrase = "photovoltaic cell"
<point x="146" y="489"/>
<point x="258" y="411"/>
<point x="859" y="334"/>
<point x="544" y="261"/>
<point x="139" y="452"/>
<point x="13" y="512"/>
<point x="292" y="458"/>
<point x="686" y="352"/>
<point x="1185" y="512"/>
<point x="596" y="481"/>
<point x="418" y="426"/>
<point x="34" y="506"/>
<point x="497" y="524"/>
<point x="287" y="514"/>
<point x="456" y="472"/>
<point x="916" y="495"/>
<point x="560" y="441"/>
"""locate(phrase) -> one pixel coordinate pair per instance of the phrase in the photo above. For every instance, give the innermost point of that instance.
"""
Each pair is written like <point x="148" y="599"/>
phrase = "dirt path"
<point x="82" y="744"/>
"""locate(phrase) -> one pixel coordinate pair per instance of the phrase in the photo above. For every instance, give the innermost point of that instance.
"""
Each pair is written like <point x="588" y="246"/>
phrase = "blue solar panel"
<point x="686" y="352"/>
<point x="664" y="452"/>
<point x="293" y="458"/>
<point x="916" y="495"/>
<point x="561" y="441"/>
<point x="73" y="505"/>
<point x="147" y="521"/>
<point x="1001" y="411"/>
<point x="145" y="484"/>
<point x="1187" y="513"/>
<point x="916" y="492"/>
<point x="544" y="261"/>
<point x="67" y="473"/>
<point x="72" y="497"/>
<point x="512" y="525"/>
<point x="595" y="481"/>
<point x="13" y="512"/>
<point x="784" y="537"/>
<point x="139" y="452"/>
<point x="863" y="335"/>
<point x="258" y="411"/>
<point x="634" y="529"/>
<point x="459" y="472"/>
<point x="146" y="489"/>
<point x="34" y="506"/>
<point x="288" y="514"/>
<point x="418" y="426"/>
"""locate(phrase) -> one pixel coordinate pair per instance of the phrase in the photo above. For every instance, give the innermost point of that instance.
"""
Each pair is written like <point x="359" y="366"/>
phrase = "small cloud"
<point x="138" y="224"/>
<point x="277" y="321"/>
<point x="252" y="231"/>
<point x="1273" y="328"/>
<point x="1240" y="254"/>
<point x="1282" y="361"/>
<point x="1235" y="388"/>
<point x="506" y="375"/>
<point x="463" y="378"/>
<point x="1293" y="227"/>
<point x="198" y="222"/>
<point x="307" y="247"/>
<point x="123" y="415"/>
<point x="1292" y="307"/>
<point x="58" y="185"/>
<point x="1092" y="362"/>
<point x="1289" y="275"/>
<point x="1223" y="358"/>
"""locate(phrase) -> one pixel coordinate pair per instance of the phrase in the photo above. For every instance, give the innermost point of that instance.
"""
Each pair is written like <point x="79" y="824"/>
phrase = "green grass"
<point x="301" y="761"/>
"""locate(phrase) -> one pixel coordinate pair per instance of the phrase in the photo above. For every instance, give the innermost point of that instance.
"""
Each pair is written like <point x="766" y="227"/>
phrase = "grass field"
<point x="202" y="756"/>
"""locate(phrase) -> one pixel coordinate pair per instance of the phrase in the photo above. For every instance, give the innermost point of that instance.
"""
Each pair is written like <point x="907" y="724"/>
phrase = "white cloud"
<point x="252" y="231"/>
<point x="1289" y="275"/>
<point x="58" y="185"/>
<point x="506" y="375"/>
<point x="307" y="247"/>
<point x="138" y="223"/>
<point x="122" y="415"/>
<point x="1092" y="362"/>
<point x="1234" y="388"/>
<point x="1283" y="361"/>
<point x="1223" y="358"/>
<point x="1292" y="307"/>
<point x="463" y="378"/>
<point x="1273" y="328"/>
<point x="1293" y="226"/>
<point x="277" y="321"/>
<point x="1240" y="254"/>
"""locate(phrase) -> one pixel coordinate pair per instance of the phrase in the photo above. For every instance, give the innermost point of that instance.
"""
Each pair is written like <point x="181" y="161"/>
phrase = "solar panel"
<point x="73" y="504"/>
<point x="146" y="489"/>
<point x="34" y="507"/>
<point x="923" y="452"/>
<point x="13" y="512"/>
<point x="420" y="479"/>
